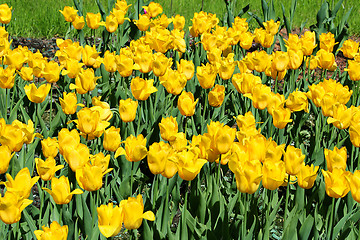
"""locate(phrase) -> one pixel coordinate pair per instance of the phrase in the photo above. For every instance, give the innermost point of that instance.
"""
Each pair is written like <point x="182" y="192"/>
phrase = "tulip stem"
<point x="219" y="172"/>
<point x="131" y="178"/>
<point x="6" y="104"/>
<point x="286" y="202"/>
<point x="331" y="223"/>
<point x="41" y="196"/>
<point x="50" y="115"/>
<point x="244" y="229"/>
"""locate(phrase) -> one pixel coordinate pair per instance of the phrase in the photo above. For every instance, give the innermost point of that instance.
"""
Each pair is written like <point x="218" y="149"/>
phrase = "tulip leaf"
<point x="14" y="111"/>
<point x="306" y="228"/>
<point x="30" y="221"/>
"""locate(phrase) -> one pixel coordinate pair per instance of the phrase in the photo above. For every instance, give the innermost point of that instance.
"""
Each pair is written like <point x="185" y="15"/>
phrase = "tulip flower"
<point x="354" y="183"/>
<point x="350" y="48"/>
<point x="22" y="183"/>
<point x="245" y="82"/>
<point x="281" y="117"/>
<point x="120" y="15"/>
<point x="11" y="206"/>
<point x="127" y="109"/>
<point x="26" y="73"/>
<point x="76" y="156"/>
<point x="49" y="147"/>
<point x="133" y="212"/>
<point x="7" y="77"/>
<point x="274" y="152"/>
<point x="157" y="157"/>
<point x="111" y="23"/>
<point x="5" y="156"/>
<point x="135" y="148"/>
<point x="293" y="159"/>
<point x="12" y="137"/>
<point x="110" y="220"/>
<point x="15" y="58"/>
<point x="89" y="55"/>
<point x="78" y="22"/>
<point x="168" y="128"/>
<point x="342" y="116"/>
<point x="124" y="65"/>
<point x="67" y="138"/>
<point x="179" y="22"/>
<point x="187" y="68"/>
<point x="180" y="142"/>
<point x="186" y="104"/>
<point x="102" y="107"/>
<point x="308" y="42"/>
<point x="189" y="164"/>
<point x="297" y="101"/>
<point x="173" y="81"/>
<point x="94" y="20"/>
<point x="160" y="64"/>
<point x="90" y="177"/>
<point x="69" y="103"/>
<point x="336" y="185"/>
<point x="46" y="169"/>
<point x="216" y="96"/>
<point x="143" y="23"/>
<point x="112" y="139"/>
<point x="227" y="67"/>
<point x="271" y="26"/>
<point x="248" y="176"/>
<point x="101" y="161"/>
<point x="206" y="75"/>
<point x="335" y="158"/>
<point x="5" y="13"/>
<point x="54" y="232"/>
<point x="153" y="9"/>
<point x="73" y="68"/>
<point x="307" y="176"/>
<point x="325" y="59"/>
<point x="37" y="95"/>
<point x="88" y="120"/>
<point x="69" y="13"/>
<point x="143" y="59"/>
<point x="85" y="81"/>
<point x="142" y="88"/>
<point x="354" y="132"/>
<point x="327" y="41"/>
<point x="273" y="174"/>
<point x="353" y="70"/>
<point x="51" y="72"/>
<point x="260" y="96"/>
<point x="60" y="190"/>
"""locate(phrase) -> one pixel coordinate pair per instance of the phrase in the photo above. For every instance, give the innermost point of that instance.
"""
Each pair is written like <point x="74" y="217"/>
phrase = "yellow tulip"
<point x="94" y="20"/>
<point x="186" y="104"/>
<point x="110" y="220"/>
<point x="101" y="161"/>
<point x="54" y="232"/>
<point x="46" y="169"/>
<point x="127" y="109"/>
<point x="124" y="65"/>
<point x="5" y="13"/>
<point x="261" y="61"/>
<point x="227" y="67"/>
<point x="157" y="157"/>
<point x="142" y="88"/>
<point x="15" y="58"/>
<point x="354" y="183"/>
<point x="51" y="72"/>
<point x="50" y="147"/>
<point x="168" y="128"/>
<point x="308" y="42"/>
<point x="216" y="96"/>
<point x="246" y="40"/>
<point x="143" y="23"/>
<point x="353" y="70"/>
<point x="327" y="41"/>
<point x="273" y="174"/>
<point x="73" y="68"/>
<point x="260" y="96"/>
<point x="76" y="156"/>
<point x="11" y="206"/>
<point x="187" y="68"/>
<point x="60" y="190"/>
<point x="67" y="138"/>
<point x="248" y="176"/>
<point x="153" y="9"/>
<point x="69" y="103"/>
<point x="336" y="158"/>
<point x="5" y="156"/>
<point x="189" y="164"/>
<point x="69" y="13"/>
<point x="325" y="59"/>
<point x="135" y="148"/>
<point x="160" y="64"/>
<point x="85" y="81"/>
<point x="89" y="55"/>
<point x="21" y="184"/>
<point x="281" y="117"/>
<point x="245" y="82"/>
<point x="354" y="132"/>
<point x="88" y="120"/>
<point x="90" y="177"/>
<point x="12" y="137"/>
<point x="179" y="22"/>
<point x="111" y="23"/>
<point x="206" y="75"/>
<point x="120" y="15"/>
<point x="350" y="48"/>
<point x="133" y="212"/>
<point x="7" y="77"/>
<point x="271" y="26"/>
<point x="112" y="139"/>
<point x="307" y="176"/>
<point x="26" y="74"/>
<point x="173" y="81"/>
<point x="297" y="101"/>
<point x="78" y="22"/>
<point x="336" y="185"/>
<point x="293" y="159"/>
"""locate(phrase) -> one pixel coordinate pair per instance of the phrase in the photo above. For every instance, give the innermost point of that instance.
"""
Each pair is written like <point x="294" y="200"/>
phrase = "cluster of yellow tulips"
<point x="79" y="151"/>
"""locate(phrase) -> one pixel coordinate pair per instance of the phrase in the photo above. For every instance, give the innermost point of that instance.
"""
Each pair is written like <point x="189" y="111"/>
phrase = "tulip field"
<point x="158" y="131"/>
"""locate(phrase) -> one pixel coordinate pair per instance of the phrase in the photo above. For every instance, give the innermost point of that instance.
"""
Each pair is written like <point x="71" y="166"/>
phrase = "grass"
<point x="47" y="21"/>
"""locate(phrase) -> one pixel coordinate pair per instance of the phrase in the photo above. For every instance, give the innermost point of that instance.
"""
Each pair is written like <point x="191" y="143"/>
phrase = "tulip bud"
<point x="127" y="109"/>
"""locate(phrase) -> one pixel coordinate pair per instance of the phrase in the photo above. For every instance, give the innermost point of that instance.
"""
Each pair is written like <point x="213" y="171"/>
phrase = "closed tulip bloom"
<point x="246" y="40"/>
<point x="160" y="64"/>
<point x="273" y="174"/>
<point x="336" y="158"/>
<point x="245" y="121"/>
<point x="12" y="137"/>
<point x="89" y="55"/>
<point x="325" y="59"/>
<point x="90" y="177"/>
<point x="21" y="184"/>
<point x="11" y="206"/>
<point x="206" y="75"/>
<point x="189" y="164"/>
<point x="248" y="176"/>
<point x="109" y="61"/>
<point x="67" y="138"/>
<point x="135" y="148"/>
<point x="94" y="20"/>
<point x="245" y="82"/>
<point x="88" y="120"/>
<point x="7" y="77"/>
<point x="73" y="67"/>
<point x="50" y="147"/>
<point x="187" y="68"/>
<point x="124" y="65"/>
<point x="179" y="22"/>
<point x="78" y="22"/>
<point x="127" y="109"/>
<point x="216" y="96"/>
<point x="336" y="185"/>
<point x="111" y="23"/>
<point x="133" y="212"/>
<point x="168" y="128"/>
<point x="353" y="70"/>
<point x="26" y="74"/>
<point x="227" y="67"/>
<point x="295" y="58"/>
<point x="110" y="220"/>
<point x="261" y="61"/>
<point x="222" y="137"/>
<point x="76" y="156"/>
<point x="5" y="156"/>
<point x="281" y="117"/>
<point x="153" y="9"/>
<point x="354" y="132"/>
<point x="186" y="104"/>
<point x="85" y="81"/>
<point x="54" y="232"/>
<point x="271" y="26"/>
<point x="143" y="61"/>
<point x="307" y="176"/>
<point x="327" y="41"/>
<point x="112" y="139"/>
<point x="142" y="88"/>
<point x="297" y="101"/>
<point x="51" y="72"/>
<point x="69" y="103"/>
<point x="293" y="159"/>
<point x="37" y="95"/>
<point x="260" y="96"/>
<point x="5" y="13"/>
<point x="157" y="157"/>
<point x="308" y="42"/>
<point x="15" y="58"/>
<point x="60" y="190"/>
<point x="354" y="182"/>
<point x="46" y="169"/>
<point x="280" y="60"/>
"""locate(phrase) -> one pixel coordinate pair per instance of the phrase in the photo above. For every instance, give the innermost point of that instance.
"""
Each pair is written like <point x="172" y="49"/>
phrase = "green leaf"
<point x="306" y="228"/>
